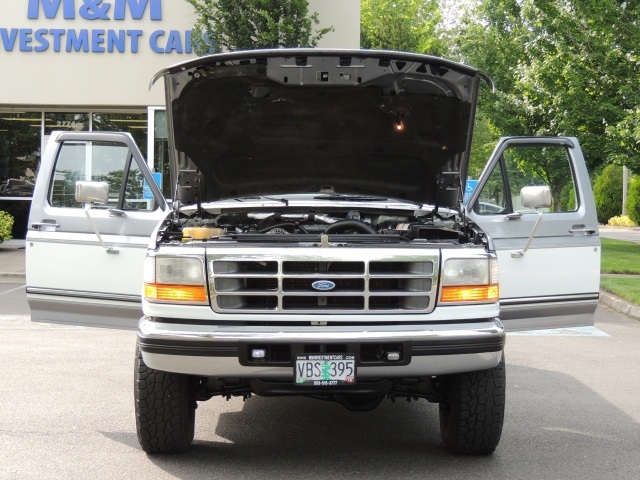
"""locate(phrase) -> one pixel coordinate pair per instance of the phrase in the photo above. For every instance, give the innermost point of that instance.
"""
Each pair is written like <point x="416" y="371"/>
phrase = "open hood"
<point x="356" y="122"/>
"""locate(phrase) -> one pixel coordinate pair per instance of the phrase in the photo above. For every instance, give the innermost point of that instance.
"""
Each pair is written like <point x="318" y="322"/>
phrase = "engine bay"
<point x="287" y="225"/>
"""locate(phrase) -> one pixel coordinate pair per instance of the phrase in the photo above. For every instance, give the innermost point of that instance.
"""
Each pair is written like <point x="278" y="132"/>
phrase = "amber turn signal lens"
<point x="177" y="293"/>
<point x="475" y="293"/>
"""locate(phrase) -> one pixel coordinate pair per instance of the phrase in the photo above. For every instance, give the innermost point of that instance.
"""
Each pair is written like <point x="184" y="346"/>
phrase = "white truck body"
<point x="317" y="242"/>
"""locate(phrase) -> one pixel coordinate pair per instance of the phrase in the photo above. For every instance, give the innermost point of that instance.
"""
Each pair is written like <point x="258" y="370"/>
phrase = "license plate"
<point x="325" y="370"/>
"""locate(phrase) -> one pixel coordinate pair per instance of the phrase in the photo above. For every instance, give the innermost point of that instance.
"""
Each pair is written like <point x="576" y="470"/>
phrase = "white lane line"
<point x="21" y="287"/>
<point x="15" y="318"/>
<point x="578" y="432"/>
<point x="565" y="332"/>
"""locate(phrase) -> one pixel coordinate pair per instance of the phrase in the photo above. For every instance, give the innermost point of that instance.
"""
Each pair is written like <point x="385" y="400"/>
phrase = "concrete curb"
<point x="620" y="305"/>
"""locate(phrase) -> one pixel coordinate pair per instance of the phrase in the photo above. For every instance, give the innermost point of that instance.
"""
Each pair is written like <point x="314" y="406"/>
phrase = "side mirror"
<point x="536" y="197"/>
<point x="92" y="192"/>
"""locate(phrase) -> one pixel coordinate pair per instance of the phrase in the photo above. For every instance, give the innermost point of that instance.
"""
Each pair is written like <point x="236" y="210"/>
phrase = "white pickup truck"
<point x="316" y="242"/>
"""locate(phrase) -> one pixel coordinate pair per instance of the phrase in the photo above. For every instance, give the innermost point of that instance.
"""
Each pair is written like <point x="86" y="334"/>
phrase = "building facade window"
<point x="20" y="137"/>
<point x="68" y="122"/>
<point x="134" y="123"/>
<point x="19" y="152"/>
<point x="24" y="133"/>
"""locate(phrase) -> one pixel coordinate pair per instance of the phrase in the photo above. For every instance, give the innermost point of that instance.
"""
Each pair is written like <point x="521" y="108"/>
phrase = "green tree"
<point x="626" y="137"/>
<point x="561" y="68"/>
<point x="568" y="198"/>
<point x="249" y="24"/>
<point x="407" y="25"/>
<point x="485" y="139"/>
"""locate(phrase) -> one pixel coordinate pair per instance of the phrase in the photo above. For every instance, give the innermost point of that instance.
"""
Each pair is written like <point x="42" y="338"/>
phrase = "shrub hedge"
<point x="633" y="200"/>
<point x="608" y="193"/>
<point x="6" y="224"/>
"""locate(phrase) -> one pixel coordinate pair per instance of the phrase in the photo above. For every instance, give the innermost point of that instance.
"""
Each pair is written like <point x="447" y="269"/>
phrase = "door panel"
<point x="71" y="276"/>
<point x="555" y="283"/>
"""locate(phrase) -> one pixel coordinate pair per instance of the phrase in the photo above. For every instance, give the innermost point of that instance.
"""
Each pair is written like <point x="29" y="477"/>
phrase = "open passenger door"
<point x="555" y="281"/>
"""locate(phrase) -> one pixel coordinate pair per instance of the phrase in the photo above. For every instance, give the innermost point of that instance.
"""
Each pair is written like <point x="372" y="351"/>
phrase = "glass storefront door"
<point x="19" y="160"/>
<point x="159" y="149"/>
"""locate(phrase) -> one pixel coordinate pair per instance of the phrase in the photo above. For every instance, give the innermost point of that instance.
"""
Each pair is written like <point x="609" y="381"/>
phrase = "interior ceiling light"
<point x="399" y="125"/>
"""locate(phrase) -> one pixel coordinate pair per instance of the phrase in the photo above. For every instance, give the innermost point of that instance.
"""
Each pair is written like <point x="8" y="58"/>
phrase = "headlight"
<point x="175" y="279"/>
<point x="467" y="280"/>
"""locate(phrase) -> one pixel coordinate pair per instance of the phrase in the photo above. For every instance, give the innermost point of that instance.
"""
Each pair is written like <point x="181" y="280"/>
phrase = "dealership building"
<point x="86" y="65"/>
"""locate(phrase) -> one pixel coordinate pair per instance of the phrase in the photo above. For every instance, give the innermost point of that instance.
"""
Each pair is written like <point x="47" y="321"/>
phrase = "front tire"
<point x="165" y="409"/>
<point x="472" y="415"/>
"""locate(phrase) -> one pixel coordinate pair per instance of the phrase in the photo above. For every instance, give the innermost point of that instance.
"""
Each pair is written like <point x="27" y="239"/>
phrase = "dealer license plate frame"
<point x="325" y="369"/>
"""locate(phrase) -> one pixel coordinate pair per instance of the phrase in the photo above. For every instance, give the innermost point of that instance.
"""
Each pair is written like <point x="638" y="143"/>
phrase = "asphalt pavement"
<point x="621" y="233"/>
<point x="67" y="412"/>
<point x="12" y="266"/>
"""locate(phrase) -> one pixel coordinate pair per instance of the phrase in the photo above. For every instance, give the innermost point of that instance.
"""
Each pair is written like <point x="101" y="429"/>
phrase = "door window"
<point x="109" y="162"/>
<point x="520" y="166"/>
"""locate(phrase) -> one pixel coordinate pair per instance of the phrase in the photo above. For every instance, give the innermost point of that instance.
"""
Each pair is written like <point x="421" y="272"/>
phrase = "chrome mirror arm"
<point x="521" y="253"/>
<point x="110" y="250"/>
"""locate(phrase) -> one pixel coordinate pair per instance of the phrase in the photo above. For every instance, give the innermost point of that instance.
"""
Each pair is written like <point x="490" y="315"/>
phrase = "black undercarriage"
<point x="363" y="396"/>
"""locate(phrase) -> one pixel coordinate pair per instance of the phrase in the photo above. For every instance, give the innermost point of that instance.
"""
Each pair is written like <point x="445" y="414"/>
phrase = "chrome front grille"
<point x="379" y="282"/>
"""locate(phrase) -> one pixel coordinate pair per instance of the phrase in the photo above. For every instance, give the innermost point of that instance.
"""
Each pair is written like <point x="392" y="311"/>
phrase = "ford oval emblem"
<point x="323" y="285"/>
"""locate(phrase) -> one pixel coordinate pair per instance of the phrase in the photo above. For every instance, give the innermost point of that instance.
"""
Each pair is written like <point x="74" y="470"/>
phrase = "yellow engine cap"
<point x="201" y="233"/>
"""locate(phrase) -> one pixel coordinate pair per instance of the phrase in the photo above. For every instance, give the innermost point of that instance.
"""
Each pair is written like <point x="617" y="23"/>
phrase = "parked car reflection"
<point x="489" y="208"/>
<point x="15" y="187"/>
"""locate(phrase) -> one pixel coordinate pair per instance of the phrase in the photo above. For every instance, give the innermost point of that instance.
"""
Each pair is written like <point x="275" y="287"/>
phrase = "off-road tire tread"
<point x="477" y="404"/>
<point x="165" y="411"/>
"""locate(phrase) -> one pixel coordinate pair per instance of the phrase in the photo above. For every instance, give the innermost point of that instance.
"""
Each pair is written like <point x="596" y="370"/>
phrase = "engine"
<point x="296" y="226"/>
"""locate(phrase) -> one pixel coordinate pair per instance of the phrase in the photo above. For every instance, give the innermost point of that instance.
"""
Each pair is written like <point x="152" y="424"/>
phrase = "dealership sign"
<point x="96" y="40"/>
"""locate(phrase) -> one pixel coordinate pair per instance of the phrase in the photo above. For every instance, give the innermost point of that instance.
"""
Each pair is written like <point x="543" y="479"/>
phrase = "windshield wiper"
<point x="282" y="200"/>
<point x="350" y="198"/>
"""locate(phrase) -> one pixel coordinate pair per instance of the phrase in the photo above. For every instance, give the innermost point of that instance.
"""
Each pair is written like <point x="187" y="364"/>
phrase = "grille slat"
<point x="289" y="267"/>
<point x="322" y="303"/>
<point x="281" y="285"/>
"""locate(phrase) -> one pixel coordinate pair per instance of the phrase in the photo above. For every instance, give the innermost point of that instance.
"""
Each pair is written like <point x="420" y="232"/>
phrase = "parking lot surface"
<point x="66" y="411"/>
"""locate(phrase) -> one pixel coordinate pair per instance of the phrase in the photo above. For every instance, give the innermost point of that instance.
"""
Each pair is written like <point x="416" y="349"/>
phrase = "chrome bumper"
<point x="221" y="351"/>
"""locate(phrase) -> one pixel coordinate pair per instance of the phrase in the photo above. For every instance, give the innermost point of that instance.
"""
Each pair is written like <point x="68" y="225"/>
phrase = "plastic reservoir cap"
<point x="201" y="233"/>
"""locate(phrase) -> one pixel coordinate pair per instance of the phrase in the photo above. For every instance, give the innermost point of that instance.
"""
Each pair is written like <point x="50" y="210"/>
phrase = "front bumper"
<point x="222" y="350"/>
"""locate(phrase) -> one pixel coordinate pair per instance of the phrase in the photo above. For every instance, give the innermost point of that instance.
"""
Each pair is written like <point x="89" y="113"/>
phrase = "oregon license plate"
<point x="325" y="370"/>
